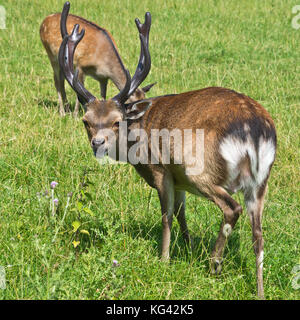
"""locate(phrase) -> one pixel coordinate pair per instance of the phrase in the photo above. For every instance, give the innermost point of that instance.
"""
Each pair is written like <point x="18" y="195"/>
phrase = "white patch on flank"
<point x="234" y="150"/>
<point x="227" y="229"/>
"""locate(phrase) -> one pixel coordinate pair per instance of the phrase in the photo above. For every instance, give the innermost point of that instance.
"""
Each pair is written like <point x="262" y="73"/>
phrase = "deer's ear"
<point x="137" y="110"/>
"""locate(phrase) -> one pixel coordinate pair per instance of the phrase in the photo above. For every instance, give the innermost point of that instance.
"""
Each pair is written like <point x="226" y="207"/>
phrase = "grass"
<point x="249" y="46"/>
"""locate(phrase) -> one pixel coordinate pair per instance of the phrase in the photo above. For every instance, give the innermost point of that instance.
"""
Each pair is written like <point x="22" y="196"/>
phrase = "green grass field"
<point x="249" y="46"/>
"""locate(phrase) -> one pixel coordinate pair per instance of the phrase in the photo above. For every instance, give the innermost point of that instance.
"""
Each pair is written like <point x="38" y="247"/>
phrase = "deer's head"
<point x="102" y="117"/>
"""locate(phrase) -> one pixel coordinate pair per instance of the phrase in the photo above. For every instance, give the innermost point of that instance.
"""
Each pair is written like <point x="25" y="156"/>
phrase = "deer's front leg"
<point x="166" y="193"/>
<point x="103" y="88"/>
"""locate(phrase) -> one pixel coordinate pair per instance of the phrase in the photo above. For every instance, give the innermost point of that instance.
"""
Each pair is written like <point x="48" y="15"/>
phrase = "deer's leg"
<point x="166" y="194"/>
<point x="103" y="88"/>
<point x="179" y="211"/>
<point x="232" y="211"/>
<point x="81" y="78"/>
<point x="255" y="205"/>
<point x="60" y="88"/>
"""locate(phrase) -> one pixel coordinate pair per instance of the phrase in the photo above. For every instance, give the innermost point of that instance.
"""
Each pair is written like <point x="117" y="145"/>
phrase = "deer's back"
<point x="96" y="50"/>
<point x="212" y="109"/>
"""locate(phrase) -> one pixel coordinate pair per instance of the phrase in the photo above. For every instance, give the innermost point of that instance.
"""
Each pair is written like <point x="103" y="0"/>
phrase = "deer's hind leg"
<point x="231" y="210"/>
<point x="59" y="82"/>
<point x="255" y="204"/>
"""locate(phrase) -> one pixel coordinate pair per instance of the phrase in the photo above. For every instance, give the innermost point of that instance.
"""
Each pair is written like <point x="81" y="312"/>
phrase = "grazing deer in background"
<point x="239" y="145"/>
<point x="97" y="56"/>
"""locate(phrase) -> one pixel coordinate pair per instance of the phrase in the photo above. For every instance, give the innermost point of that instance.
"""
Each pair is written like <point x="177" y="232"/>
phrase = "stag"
<point x="239" y="146"/>
<point x="97" y="56"/>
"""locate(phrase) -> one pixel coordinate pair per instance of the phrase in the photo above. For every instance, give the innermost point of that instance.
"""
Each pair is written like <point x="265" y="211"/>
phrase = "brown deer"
<point x="97" y="56"/>
<point x="239" y="145"/>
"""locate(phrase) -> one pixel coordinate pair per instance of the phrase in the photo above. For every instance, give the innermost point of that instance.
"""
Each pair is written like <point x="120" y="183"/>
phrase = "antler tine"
<point x="65" y="58"/>
<point x="143" y="67"/>
<point x="144" y="28"/>
<point x="144" y="64"/>
<point x="73" y="41"/>
<point x="63" y="19"/>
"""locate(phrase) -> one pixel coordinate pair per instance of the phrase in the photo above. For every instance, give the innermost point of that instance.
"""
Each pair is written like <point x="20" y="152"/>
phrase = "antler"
<point x="144" y="64"/>
<point x="66" y="56"/>
<point x="63" y="19"/>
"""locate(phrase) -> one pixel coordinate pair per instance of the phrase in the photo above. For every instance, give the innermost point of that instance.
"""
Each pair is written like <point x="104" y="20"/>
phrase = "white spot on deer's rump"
<point x="234" y="150"/>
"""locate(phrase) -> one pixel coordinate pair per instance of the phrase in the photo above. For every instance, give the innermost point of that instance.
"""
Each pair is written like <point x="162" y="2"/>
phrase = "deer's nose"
<point x="96" y="143"/>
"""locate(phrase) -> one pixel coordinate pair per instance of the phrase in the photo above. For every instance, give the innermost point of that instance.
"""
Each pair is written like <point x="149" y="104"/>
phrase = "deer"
<point x="239" y="146"/>
<point x="97" y="57"/>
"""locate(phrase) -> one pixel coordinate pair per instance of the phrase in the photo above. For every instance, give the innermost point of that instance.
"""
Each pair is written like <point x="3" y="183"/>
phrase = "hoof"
<point x="216" y="267"/>
<point x="165" y="258"/>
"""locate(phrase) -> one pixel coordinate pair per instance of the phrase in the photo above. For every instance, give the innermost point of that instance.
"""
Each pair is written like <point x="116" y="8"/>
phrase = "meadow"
<point x="102" y="241"/>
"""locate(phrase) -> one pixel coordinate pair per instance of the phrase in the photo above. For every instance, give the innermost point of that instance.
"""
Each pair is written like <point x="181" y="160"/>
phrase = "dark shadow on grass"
<point x="179" y="249"/>
<point x="202" y="245"/>
<point x="50" y="104"/>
